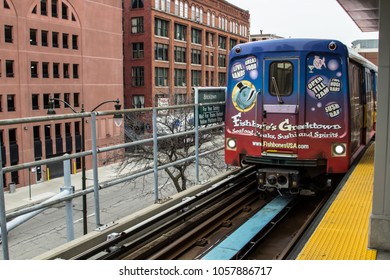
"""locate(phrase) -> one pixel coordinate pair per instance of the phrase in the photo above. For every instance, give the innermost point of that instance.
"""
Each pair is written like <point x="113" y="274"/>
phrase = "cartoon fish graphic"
<point x="245" y="96"/>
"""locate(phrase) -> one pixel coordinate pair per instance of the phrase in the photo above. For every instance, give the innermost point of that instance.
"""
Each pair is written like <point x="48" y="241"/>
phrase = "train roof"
<point x="288" y="45"/>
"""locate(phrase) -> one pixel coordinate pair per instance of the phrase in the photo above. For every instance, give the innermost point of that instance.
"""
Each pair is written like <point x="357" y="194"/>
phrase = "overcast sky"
<point x="303" y="19"/>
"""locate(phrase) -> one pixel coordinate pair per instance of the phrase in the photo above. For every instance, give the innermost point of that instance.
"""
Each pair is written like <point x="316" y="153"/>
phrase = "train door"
<point x="278" y="108"/>
<point x="357" y="109"/>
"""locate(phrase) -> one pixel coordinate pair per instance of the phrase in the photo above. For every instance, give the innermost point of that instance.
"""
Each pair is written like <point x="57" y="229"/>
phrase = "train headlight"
<point x="338" y="149"/>
<point x="272" y="179"/>
<point x="231" y="143"/>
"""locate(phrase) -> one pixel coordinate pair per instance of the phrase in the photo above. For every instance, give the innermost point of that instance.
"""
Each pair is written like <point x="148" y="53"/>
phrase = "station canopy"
<point x="365" y="13"/>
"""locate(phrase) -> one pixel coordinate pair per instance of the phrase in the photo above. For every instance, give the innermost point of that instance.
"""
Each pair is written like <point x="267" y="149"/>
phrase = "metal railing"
<point x="95" y="150"/>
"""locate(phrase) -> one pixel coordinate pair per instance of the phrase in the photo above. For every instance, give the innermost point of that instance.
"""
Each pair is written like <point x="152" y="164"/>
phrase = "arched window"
<point x="193" y="12"/>
<point x="186" y="10"/>
<point x="177" y="7"/>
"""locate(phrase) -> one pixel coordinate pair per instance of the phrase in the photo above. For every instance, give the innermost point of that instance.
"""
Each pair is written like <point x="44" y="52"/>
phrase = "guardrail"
<point x="154" y="138"/>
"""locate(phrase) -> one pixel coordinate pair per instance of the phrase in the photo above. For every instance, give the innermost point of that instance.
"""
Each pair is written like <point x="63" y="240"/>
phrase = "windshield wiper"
<point x="280" y="101"/>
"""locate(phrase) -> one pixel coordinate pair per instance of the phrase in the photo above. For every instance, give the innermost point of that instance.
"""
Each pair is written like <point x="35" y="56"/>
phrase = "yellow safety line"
<point x="343" y="232"/>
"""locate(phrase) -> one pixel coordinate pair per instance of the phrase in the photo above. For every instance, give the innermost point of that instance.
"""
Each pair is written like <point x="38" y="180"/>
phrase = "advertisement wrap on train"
<point x="295" y="103"/>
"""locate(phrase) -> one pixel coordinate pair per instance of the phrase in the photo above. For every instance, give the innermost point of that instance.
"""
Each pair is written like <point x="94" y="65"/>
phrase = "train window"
<point x="281" y="78"/>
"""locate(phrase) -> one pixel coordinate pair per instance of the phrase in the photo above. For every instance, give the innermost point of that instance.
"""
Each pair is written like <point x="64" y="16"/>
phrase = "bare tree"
<point x="170" y="122"/>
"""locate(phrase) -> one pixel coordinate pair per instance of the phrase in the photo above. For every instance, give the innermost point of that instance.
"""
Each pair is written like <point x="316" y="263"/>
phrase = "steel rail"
<point x="151" y="222"/>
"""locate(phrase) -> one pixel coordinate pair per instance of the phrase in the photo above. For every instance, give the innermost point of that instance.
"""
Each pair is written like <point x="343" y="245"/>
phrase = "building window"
<point x="9" y="68"/>
<point x="75" y="44"/>
<point x="58" y="137"/>
<point x="177" y="7"/>
<point x="6" y="6"/>
<point x="161" y="27"/>
<point x="36" y="133"/>
<point x="64" y="9"/>
<point x="222" y="42"/>
<point x="221" y="79"/>
<point x="33" y="37"/>
<point x="196" y="36"/>
<point x="137" y="25"/>
<point x="137" y="4"/>
<point x="210" y="39"/>
<point x="138" y="101"/>
<point x="195" y="78"/>
<point x="211" y="59"/>
<point x="68" y="135"/>
<point x="75" y="71"/>
<point x="221" y="60"/>
<point x="180" y="54"/>
<point x="34" y="69"/>
<point x="1" y="103"/>
<point x="76" y="99"/>
<point x="14" y="153"/>
<point x="66" y="70"/>
<point x="56" y="70"/>
<point x="66" y="99"/>
<point x="161" y="52"/>
<point x="57" y="98"/>
<point x="233" y="43"/>
<point x="43" y="7"/>
<point x="168" y="6"/>
<point x="44" y="38"/>
<point x="45" y="69"/>
<point x="46" y="99"/>
<point x="180" y="32"/>
<point x="65" y="38"/>
<point x="137" y="74"/>
<point x="196" y="56"/>
<point x="138" y="50"/>
<point x="180" y="77"/>
<point x="8" y="34"/>
<point x="54" y="8"/>
<point x="55" y="39"/>
<point x="161" y="77"/>
<point x="35" y="101"/>
<point x="48" y="141"/>
<point x="180" y="99"/>
<point x="11" y="103"/>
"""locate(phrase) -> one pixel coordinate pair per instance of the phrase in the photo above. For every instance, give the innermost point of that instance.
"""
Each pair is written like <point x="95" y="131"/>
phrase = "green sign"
<point x="210" y="113"/>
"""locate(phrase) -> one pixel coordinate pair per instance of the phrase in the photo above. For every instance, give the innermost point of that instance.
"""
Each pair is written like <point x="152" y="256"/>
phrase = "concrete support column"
<point x="380" y="218"/>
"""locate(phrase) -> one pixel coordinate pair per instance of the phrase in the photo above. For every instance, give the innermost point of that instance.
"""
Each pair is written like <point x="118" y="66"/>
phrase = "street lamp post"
<point x="118" y="122"/>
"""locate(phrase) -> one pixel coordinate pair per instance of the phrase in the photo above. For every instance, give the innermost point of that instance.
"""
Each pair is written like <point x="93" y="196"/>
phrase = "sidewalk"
<point x="37" y="193"/>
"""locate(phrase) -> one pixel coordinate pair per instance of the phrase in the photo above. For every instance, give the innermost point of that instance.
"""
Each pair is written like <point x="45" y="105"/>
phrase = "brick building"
<point x="67" y="49"/>
<point x="171" y="46"/>
<point x="368" y="48"/>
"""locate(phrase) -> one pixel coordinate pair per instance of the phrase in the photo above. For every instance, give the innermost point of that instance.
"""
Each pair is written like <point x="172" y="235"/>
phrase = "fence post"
<point x="95" y="170"/>
<point x="3" y="219"/>
<point x="69" y="203"/>
<point x="155" y="155"/>
<point x="196" y="115"/>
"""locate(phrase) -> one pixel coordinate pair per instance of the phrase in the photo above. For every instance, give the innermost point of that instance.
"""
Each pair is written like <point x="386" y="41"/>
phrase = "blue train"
<point x="299" y="109"/>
